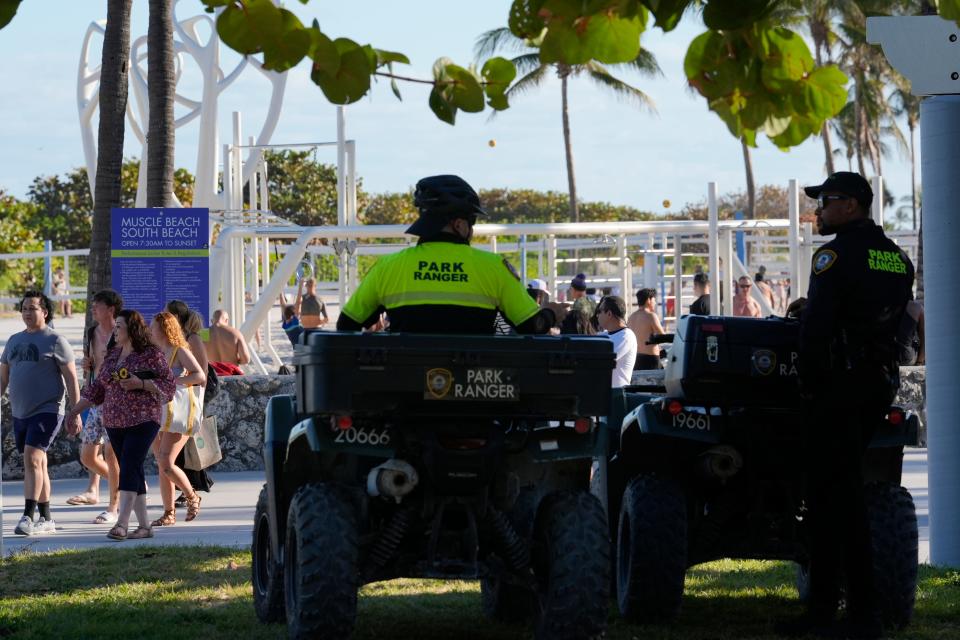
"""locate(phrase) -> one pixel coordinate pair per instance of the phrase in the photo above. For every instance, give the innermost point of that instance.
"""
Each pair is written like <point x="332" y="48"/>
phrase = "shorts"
<point x="647" y="362"/>
<point x="37" y="431"/>
<point x="93" y="430"/>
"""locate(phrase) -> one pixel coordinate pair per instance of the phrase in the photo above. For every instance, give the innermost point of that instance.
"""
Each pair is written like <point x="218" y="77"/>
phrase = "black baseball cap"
<point x="845" y="182"/>
<point x="441" y="199"/>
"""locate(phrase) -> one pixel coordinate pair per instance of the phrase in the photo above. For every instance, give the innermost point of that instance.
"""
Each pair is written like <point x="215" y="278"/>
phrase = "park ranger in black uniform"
<point x="443" y="285"/>
<point x="860" y="284"/>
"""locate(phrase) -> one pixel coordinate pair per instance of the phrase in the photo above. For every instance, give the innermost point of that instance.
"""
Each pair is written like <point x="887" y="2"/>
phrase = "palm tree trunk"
<point x="568" y="148"/>
<point x="913" y="173"/>
<point x="751" y="186"/>
<point x="114" y="69"/>
<point x="819" y="44"/>
<point x="873" y="148"/>
<point x="858" y="119"/>
<point x="161" y="91"/>
<point x="828" y="148"/>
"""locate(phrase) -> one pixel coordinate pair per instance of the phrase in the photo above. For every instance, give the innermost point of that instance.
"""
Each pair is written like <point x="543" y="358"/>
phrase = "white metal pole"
<point x="236" y="312"/>
<point x="713" y="217"/>
<point x="351" y="154"/>
<point x="66" y="275"/>
<point x="806" y="258"/>
<point x="523" y="258"/>
<point x="876" y="209"/>
<point x="341" y="167"/>
<point x="793" y="207"/>
<point x="47" y="268"/>
<point x="264" y="184"/>
<point x="265" y="270"/>
<point x="623" y="266"/>
<point x="728" y="272"/>
<point x="677" y="276"/>
<point x="552" y="266"/>
<point x="940" y="164"/>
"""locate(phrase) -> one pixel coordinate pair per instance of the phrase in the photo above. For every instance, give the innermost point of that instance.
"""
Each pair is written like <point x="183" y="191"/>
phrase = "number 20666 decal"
<point x="372" y="437"/>
<point x="692" y="421"/>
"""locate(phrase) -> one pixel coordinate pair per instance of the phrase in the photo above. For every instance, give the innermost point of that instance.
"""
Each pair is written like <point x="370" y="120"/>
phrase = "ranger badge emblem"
<point x="439" y="382"/>
<point x="764" y="361"/>
<point x="824" y="260"/>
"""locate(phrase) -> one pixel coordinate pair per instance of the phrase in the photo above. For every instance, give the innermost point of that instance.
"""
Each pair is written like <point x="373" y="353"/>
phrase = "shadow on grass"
<point x="204" y="593"/>
<point x="27" y="573"/>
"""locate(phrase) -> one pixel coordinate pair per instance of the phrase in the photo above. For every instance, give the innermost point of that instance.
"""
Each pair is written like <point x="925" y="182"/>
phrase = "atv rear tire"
<point x="505" y="602"/>
<point x="320" y="563"/>
<point x="893" y="529"/>
<point x="651" y="550"/>
<point x="267" y="578"/>
<point x="571" y="562"/>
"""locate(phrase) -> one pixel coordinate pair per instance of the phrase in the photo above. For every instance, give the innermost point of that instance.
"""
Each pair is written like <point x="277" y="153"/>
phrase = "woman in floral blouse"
<point x="133" y="385"/>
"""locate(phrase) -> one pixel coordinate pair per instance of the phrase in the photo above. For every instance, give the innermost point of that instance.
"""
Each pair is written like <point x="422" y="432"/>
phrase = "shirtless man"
<point x="226" y="344"/>
<point x="765" y="290"/>
<point x="106" y="305"/>
<point x="308" y="307"/>
<point x="743" y="304"/>
<point x="645" y="323"/>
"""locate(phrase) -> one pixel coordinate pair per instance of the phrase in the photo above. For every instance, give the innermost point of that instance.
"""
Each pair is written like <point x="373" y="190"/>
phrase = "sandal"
<point x="193" y="507"/>
<point x="168" y="518"/>
<point x="140" y="533"/>
<point x="83" y="499"/>
<point x="105" y="517"/>
<point x="117" y="533"/>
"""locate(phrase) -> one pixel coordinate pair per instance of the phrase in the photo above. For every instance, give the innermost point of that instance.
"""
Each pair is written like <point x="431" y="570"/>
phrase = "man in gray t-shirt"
<point x="37" y="365"/>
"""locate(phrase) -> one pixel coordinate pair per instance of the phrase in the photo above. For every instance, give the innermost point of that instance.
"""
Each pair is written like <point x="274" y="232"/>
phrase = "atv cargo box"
<point x="715" y="359"/>
<point x="433" y="375"/>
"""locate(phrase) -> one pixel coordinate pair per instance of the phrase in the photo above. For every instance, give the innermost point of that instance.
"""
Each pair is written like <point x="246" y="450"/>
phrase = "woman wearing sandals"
<point x="166" y="334"/>
<point x="133" y="385"/>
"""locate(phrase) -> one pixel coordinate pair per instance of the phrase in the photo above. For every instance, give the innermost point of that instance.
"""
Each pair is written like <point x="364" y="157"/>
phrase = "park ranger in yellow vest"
<point x="443" y="285"/>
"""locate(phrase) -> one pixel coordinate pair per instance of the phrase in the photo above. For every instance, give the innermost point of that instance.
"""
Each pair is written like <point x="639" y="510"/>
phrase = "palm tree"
<point x="533" y="73"/>
<point x="873" y="115"/>
<point x="114" y="70"/>
<point x="161" y="90"/>
<point x="751" y="184"/>
<point x="819" y="23"/>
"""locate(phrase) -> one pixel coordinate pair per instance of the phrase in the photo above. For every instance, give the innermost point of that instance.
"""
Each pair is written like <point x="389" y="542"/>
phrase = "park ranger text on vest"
<point x="443" y="285"/>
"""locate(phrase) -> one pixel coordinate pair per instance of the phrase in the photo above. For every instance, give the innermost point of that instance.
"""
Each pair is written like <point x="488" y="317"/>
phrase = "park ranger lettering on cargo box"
<point x="486" y="384"/>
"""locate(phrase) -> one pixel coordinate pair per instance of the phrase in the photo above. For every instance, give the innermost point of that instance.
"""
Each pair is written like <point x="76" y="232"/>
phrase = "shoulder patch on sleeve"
<point x="510" y="268"/>
<point x="823" y="260"/>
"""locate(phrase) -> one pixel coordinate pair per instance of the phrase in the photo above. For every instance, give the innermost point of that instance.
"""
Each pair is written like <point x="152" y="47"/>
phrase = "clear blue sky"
<point x="622" y="155"/>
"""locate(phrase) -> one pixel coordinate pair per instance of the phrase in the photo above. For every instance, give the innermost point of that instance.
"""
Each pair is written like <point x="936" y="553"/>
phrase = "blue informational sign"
<point x="158" y="255"/>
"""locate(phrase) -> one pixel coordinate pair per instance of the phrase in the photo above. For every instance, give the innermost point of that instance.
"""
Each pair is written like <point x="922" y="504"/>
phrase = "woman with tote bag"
<point x="181" y="416"/>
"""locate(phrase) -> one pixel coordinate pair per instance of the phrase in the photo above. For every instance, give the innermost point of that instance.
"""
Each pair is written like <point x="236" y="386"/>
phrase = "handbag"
<point x="203" y="450"/>
<point x="184" y="412"/>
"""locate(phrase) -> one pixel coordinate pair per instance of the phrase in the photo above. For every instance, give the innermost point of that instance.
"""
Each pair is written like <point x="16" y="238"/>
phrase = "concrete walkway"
<point x="226" y="516"/>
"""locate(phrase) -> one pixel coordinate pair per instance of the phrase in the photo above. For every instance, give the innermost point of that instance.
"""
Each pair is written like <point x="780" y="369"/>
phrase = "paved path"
<point x="226" y="516"/>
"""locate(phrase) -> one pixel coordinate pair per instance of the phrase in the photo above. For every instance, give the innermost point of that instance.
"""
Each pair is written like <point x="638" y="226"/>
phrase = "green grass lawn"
<point x="203" y="593"/>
